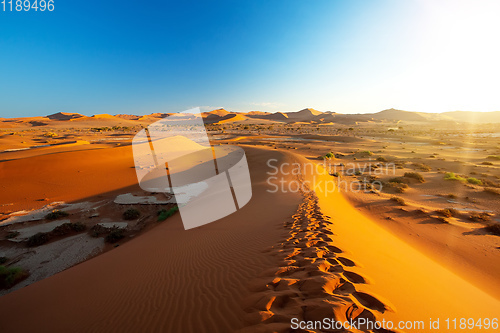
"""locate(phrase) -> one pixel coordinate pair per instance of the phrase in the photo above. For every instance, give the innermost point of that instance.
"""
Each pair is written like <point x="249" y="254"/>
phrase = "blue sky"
<point x="141" y="57"/>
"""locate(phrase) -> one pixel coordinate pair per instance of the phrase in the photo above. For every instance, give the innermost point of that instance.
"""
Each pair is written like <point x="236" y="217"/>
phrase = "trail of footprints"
<point x="314" y="281"/>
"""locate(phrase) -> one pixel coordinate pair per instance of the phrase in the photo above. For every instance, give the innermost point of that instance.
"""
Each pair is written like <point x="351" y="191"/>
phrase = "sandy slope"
<point x="418" y="287"/>
<point x="167" y="280"/>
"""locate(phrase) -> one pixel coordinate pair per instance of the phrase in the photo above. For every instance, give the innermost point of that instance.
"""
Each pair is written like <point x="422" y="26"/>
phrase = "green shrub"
<point x="131" y="214"/>
<point x="415" y="175"/>
<point x="474" y="181"/>
<point x="166" y="213"/>
<point x="114" y="236"/>
<point x="38" y="239"/>
<point x="55" y="214"/>
<point x="9" y="276"/>
<point x="330" y="155"/>
<point x="453" y="176"/>
<point x="399" y="201"/>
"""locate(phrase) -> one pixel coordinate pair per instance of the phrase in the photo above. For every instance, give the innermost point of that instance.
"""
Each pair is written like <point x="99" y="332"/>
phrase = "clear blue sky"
<point x="141" y="57"/>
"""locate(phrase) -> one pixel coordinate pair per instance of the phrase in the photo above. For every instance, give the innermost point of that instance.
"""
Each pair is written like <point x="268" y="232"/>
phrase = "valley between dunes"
<point x="282" y="256"/>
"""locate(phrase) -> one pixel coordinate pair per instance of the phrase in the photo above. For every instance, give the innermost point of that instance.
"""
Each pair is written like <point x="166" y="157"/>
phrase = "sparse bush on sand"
<point x="480" y="217"/>
<point x="493" y="228"/>
<point x="415" y="175"/>
<point x="131" y="214"/>
<point x="55" y="214"/>
<point x="166" y="213"/>
<point x="67" y="228"/>
<point x="399" y="201"/>
<point x="474" y="181"/>
<point x="453" y="176"/>
<point x="38" y="239"/>
<point x="366" y="153"/>
<point x="114" y="236"/>
<point x="9" y="276"/>
<point x="382" y="159"/>
<point x="494" y="157"/>
<point x="448" y="212"/>
<point x="422" y="167"/>
<point x="487" y="163"/>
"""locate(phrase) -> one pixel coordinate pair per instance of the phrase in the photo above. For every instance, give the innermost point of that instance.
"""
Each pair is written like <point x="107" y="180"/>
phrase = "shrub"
<point x="97" y="230"/>
<point x="487" y="163"/>
<point x="114" y="236"/>
<point x="3" y="260"/>
<point x="38" y="239"/>
<point x="367" y="153"/>
<point x="448" y="212"/>
<point x="493" y="228"/>
<point x="452" y="176"/>
<point x="480" y="217"/>
<point x="396" y="180"/>
<point x="415" y="175"/>
<point x="474" y="181"/>
<point x="166" y="213"/>
<point x="422" y="167"/>
<point x="329" y="155"/>
<point x="67" y="228"/>
<point x="399" y="187"/>
<point x="9" y="276"/>
<point x="494" y="157"/>
<point x="399" y="201"/>
<point x="131" y="214"/>
<point x="442" y="219"/>
<point x="55" y="214"/>
<point x="382" y="159"/>
<point x="12" y="234"/>
<point x="451" y="196"/>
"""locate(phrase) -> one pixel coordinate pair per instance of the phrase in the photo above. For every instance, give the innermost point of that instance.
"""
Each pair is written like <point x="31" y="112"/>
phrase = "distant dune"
<point x="64" y="116"/>
<point x="305" y="116"/>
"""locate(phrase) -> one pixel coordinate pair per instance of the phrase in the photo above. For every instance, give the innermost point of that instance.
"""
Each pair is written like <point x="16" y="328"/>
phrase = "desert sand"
<point x="306" y="255"/>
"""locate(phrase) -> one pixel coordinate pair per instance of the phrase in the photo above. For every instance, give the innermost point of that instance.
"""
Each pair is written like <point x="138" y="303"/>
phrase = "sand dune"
<point x="282" y="256"/>
<point x="167" y="280"/>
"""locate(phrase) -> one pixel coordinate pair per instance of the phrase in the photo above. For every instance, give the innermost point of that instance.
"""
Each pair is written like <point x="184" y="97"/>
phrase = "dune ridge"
<point x="315" y="280"/>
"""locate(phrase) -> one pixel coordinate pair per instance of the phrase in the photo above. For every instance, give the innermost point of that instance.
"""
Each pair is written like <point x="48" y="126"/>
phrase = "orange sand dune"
<point x="166" y="280"/>
<point x="65" y="176"/>
<point x="327" y="259"/>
